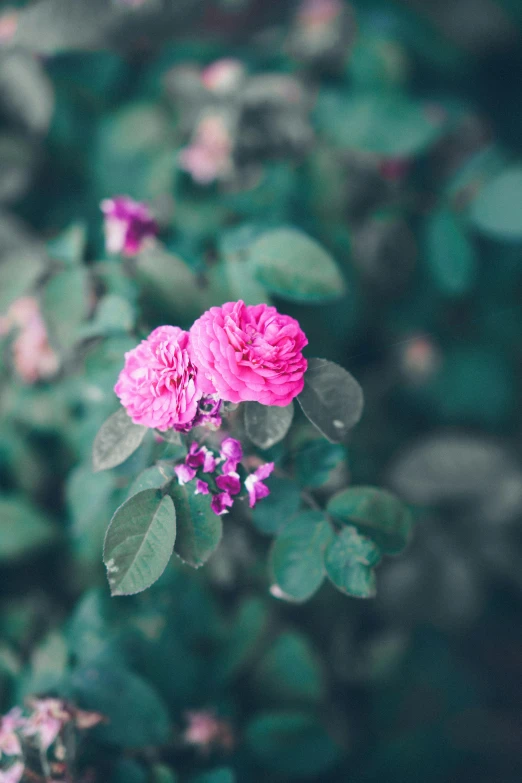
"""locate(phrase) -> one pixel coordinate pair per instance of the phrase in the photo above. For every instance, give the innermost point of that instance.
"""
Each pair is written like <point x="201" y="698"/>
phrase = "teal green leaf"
<point x="151" y="478"/>
<point x="199" y="529"/>
<point x="450" y="254"/>
<point x="221" y="775"/>
<point x="114" y="315"/>
<point x="116" y="440"/>
<point x="65" y="305"/>
<point x="23" y="529"/>
<point x="274" y="511"/>
<point x="331" y="399"/>
<point x="19" y="272"/>
<point x="244" y="637"/>
<point x="292" y="743"/>
<point x="349" y="562"/>
<point x="376" y="513"/>
<point x="497" y="210"/>
<point x="139" y="542"/>
<point x="69" y="246"/>
<point x="297" y="556"/>
<point x="266" y="425"/>
<point x="290" y="264"/>
<point x="163" y="774"/>
<point x="90" y="503"/>
<point x="316" y="460"/>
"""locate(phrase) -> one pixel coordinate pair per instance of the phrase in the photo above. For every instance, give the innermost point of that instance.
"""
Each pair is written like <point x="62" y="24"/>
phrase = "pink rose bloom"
<point x="128" y="225"/>
<point x="249" y="353"/>
<point x="208" y="156"/>
<point x="157" y="385"/>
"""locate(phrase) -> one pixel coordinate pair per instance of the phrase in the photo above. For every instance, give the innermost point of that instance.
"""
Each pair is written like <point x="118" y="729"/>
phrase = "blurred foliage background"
<point x="390" y="132"/>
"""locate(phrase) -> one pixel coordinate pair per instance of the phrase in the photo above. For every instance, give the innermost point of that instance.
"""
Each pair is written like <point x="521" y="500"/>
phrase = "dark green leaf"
<point x="349" y="562"/>
<point x="497" y="210"/>
<point x="290" y="671"/>
<point x="293" y="266"/>
<point x="274" y="511"/>
<point x="199" y="529"/>
<point x="19" y="271"/>
<point x="65" y="304"/>
<point x="245" y="635"/>
<point x="139" y="542"/>
<point x="23" y="529"/>
<point x="69" y="246"/>
<point x="376" y="513"/>
<point x="116" y="440"/>
<point x="449" y="253"/>
<point x="297" y="556"/>
<point x="332" y="399"/>
<point x="292" y="743"/>
<point x="136" y="715"/>
<point x="316" y="460"/>
<point x="151" y="478"/>
<point x="267" y="425"/>
<point x="163" y="774"/>
<point x="221" y="775"/>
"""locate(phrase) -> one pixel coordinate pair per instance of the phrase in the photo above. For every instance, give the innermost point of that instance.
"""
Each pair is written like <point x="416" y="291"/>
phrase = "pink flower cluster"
<point x="33" y="357"/>
<point x="128" y="225"/>
<point x="43" y="725"/>
<point x="206" y="731"/>
<point x="177" y="380"/>
<point x="201" y="463"/>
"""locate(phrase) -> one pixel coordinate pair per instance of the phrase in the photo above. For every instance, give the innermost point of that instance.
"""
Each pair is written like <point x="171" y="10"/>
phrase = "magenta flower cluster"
<point x="202" y="464"/>
<point x="128" y="225"/>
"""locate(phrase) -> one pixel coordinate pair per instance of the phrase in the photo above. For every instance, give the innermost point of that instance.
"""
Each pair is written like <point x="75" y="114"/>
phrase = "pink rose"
<point x="249" y="353"/>
<point x="158" y="384"/>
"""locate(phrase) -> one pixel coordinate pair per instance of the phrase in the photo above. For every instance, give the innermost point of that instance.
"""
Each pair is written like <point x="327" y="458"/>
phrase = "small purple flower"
<point x="201" y="488"/>
<point x="231" y="452"/>
<point x="201" y="457"/>
<point x="184" y="473"/>
<point x="128" y="224"/>
<point x="221" y="503"/>
<point x="230" y="483"/>
<point x="254" y="483"/>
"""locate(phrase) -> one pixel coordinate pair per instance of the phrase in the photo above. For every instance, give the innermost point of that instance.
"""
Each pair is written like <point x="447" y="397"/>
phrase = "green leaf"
<point x="116" y="440"/>
<point x="266" y="425"/>
<point x="139" y="542"/>
<point x="199" y="529"/>
<point x="65" y="304"/>
<point x="152" y="478"/>
<point x="349" y="562"/>
<point x="384" y="123"/>
<point x="290" y="671"/>
<point x="450" y="254"/>
<point x="23" y="529"/>
<point x="290" y="742"/>
<point x="136" y="715"/>
<point x="316" y="460"/>
<point x="114" y="315"/>
<point x="166" y="277"/>
<point x="276" y="509"/>
<point x="244" y="637"/>
<point x="331" y="399"/>
<point x="69" y="246"/>
<point x="163" y="774"/>
<point x="497" y="210"/>
<point x="19" y="271"/>
<point x="297" y="556"/>
<point x="290" y="264"/>
<point x="376" y="513"/>
<point x="90" y="500"/>
<point x="221" y="775"/>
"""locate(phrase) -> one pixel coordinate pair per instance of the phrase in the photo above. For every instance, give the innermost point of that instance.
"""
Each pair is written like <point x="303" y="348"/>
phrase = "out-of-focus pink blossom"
<point x="206" y="731"/>
<point x="9" y="741"/>
<point x="232" y="452"/>
<point x="208" y="157"/>
<point x="14" y="774"/>
<point x="158" y="384"/>
<point x="318" y="12"/>
<point x="128" y="225"/>
<point x="46" y="721"/>
<point x="221" y="502"/>
<point x="223" y="76"/>
<point x="8" y="25"/>
<point x="33" y="357"/>
<point x="254" y="483"/>
<point x="249" y="353"/>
